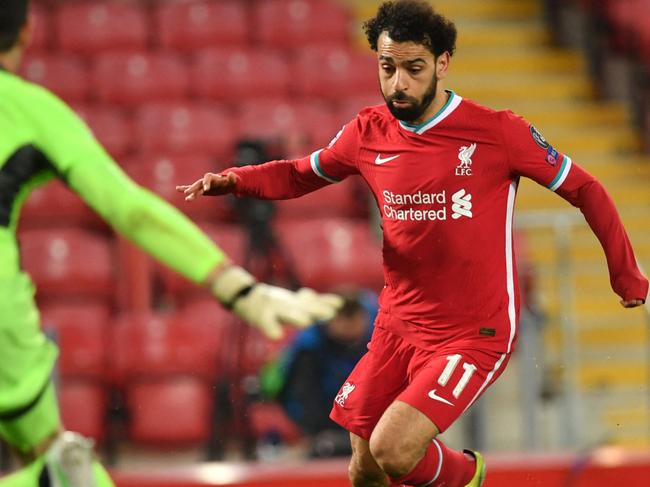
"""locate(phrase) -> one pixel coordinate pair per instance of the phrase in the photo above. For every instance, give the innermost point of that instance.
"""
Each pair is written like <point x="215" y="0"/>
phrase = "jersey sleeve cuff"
<point x="314" y="159"/>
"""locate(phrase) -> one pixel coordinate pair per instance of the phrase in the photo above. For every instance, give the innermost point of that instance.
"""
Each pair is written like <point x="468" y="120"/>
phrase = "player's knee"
<point x="391" y="456"/>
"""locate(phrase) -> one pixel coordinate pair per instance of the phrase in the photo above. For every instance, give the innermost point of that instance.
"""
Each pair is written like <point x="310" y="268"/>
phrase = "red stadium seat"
<point x="254" y="350"/>
<point x="54" y="205"/>
<point x="269" y="418"/>
<point x="329" y="253"/>
<point x="162" y="173"/>
<point x="346" y="199"/>
<point x="69" y="263"/>
<point x="166" y="344"/>
<point x="83" y="407"/>
<point x="185" y="128"/>
<point x="230" y="238"/>
<point x="134" y="78"/>
<point x="642" y="26"/>
<point x="287" y="23"/>
<point x="111" y="127"/>
<point x="235" y="75"/>
<point x="351" y="106"/>
<point x="620" y="16"/>
<point x="276" y="119"/>
<point x="628" y="25"/>
<point x="65" y="76"/>
<point x="90" y="27"/>
<point x="211" y="319"/>
<point x="81" y="332"/>
<point x="340" y="72"/>
<point x="42" y="30"/>
<point x="195" y="25"/>
<point x="176" y="411"/>
<point x="223" y="328"/>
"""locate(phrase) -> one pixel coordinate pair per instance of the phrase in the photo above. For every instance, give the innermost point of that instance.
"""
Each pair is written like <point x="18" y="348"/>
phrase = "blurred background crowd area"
<point x="177" y="88"/>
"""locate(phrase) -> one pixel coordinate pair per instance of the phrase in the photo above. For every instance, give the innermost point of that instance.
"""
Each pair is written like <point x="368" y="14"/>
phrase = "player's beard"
<point x="417" y="108"/>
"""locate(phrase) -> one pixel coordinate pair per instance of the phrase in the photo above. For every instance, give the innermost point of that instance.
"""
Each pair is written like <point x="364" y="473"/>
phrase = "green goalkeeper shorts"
<point x="27" y="357"/>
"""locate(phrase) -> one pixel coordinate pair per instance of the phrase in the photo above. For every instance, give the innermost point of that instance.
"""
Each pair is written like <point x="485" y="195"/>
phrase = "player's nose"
<point x="400" y="81"/>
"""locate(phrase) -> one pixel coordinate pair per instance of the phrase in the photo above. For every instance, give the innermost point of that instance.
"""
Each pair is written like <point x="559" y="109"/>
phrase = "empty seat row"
<point x="72" y="264"/>
<point x="201" y="340"/>
<point x="96" y="346"/>
<point x="210" y="128"/>
<point x="89" y="27"/>
<point x="228" y="75"/>
<point x="150" y="404"/>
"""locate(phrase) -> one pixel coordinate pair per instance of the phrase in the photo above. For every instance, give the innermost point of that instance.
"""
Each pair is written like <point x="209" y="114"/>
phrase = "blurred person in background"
<point x="308" y="375"/>
<point x="444" y="171"/>
<point x="264" y="256"/>
<point x="42" y="138"/>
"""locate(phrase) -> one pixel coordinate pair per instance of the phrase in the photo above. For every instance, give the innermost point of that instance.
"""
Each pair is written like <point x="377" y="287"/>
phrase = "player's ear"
<point x="442" y="65"/>
<point x="26" y="32"/>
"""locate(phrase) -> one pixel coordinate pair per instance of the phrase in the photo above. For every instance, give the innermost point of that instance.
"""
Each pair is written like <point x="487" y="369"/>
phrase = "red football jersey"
<point x="446" y="191"/>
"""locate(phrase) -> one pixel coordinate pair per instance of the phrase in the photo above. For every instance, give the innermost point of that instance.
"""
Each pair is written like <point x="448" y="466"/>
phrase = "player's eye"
<point x="387" y="68"/>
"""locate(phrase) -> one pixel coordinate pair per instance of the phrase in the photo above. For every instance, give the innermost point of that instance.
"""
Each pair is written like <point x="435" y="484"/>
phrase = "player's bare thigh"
<point x="401" y="438"/>
<point x="363" y="470"/>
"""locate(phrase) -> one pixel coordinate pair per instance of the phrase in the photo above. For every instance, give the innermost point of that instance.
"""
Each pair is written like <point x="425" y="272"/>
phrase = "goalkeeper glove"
<point x="267" y="307"/>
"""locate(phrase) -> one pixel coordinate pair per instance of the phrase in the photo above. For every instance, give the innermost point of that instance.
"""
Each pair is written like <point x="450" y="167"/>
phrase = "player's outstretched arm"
<point x="274" y="180"/>
<point x="588" y="194"/>
<point x="285" y="179"/>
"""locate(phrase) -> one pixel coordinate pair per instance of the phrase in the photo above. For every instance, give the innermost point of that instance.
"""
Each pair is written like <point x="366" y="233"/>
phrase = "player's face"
<point x="407" y="75"/>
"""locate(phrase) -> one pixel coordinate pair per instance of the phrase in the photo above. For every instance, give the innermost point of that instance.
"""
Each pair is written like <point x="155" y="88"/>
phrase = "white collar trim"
<point x="451" y="105"/>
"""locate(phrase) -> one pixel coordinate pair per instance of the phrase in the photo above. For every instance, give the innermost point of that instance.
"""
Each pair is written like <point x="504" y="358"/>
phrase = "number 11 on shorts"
<point x="452" y="363"/>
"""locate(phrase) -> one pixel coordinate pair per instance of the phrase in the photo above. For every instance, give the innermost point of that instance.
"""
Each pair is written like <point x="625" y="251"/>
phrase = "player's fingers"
<point x="221" y="184"/>
<point x="209" y="179"/>
<point x="271" y="328"/>
<point x="632" y="303"/>
<point x="296" y="316"/>
<point x="193" y="188"/>
<point x="193" y="194"/>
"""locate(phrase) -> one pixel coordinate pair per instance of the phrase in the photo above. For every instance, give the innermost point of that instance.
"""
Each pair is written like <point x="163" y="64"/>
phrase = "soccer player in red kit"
<point x="444" y="171"/>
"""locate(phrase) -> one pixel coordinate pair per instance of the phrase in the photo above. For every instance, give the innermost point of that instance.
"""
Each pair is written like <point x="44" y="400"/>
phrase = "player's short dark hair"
<point x="352" y="301"/>
<point x="13" y="17"/>
<point x="412" y="21"/>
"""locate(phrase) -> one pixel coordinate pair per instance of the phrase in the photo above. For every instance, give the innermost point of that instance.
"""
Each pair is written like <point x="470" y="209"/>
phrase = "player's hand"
<point x="269" y="307"/>
<point x="632" y="303"/>
<point x="209" y="185"/>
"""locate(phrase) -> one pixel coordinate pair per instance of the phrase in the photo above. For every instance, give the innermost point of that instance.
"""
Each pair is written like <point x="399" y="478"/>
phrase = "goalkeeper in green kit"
<point x="41" y="138"/>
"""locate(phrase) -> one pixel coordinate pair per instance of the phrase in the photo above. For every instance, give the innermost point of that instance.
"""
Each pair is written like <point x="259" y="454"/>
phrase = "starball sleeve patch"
<point x="538" y="137"/>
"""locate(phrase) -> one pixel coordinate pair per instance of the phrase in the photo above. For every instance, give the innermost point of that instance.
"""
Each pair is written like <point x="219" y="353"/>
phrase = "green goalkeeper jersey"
<point x="42" y="138"/>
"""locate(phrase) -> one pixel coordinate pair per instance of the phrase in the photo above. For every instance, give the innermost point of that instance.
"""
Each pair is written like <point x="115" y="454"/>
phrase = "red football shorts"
<point x="441" y="384"/>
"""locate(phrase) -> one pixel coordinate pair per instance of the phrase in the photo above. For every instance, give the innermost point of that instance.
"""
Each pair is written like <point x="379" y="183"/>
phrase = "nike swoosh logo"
<point x="384" y="160"/>
<point x="433" y="395"/>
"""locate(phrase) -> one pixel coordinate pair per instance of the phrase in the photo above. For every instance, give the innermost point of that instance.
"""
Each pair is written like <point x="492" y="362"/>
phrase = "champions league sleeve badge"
<point x="538" y="138"/>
